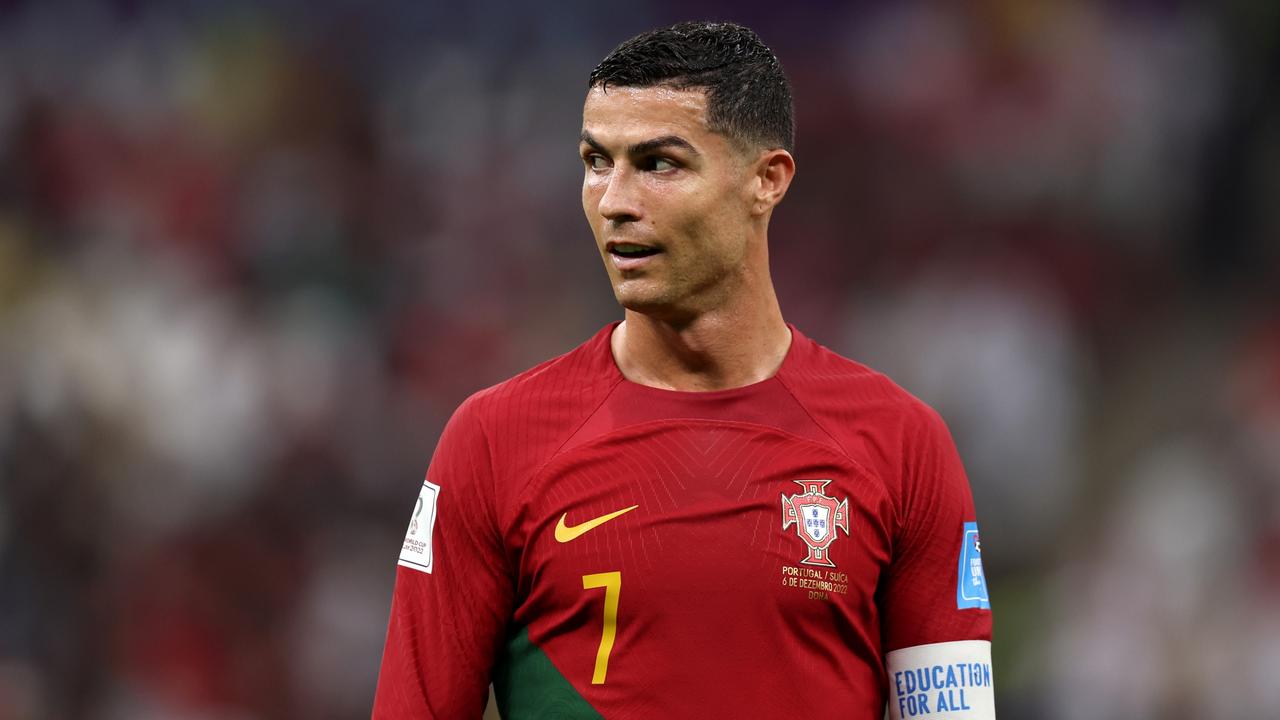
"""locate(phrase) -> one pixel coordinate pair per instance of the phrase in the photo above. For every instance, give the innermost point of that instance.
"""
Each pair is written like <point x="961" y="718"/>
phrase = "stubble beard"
<point x="679" y="298"/>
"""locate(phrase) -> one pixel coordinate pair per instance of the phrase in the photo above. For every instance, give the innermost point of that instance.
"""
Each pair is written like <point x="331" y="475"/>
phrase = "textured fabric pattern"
<point x="778" y="539"/>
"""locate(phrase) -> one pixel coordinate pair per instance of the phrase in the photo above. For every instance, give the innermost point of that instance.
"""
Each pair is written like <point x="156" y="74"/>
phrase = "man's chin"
<point x="643" y="304"/>
<point x="655" y="306"/>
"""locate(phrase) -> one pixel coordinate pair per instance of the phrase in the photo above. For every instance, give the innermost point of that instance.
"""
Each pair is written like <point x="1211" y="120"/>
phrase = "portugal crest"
<point x="816" y="516"/>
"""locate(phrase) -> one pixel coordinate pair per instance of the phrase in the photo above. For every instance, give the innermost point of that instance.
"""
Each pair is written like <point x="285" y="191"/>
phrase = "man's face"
<point x="668" y="199"/>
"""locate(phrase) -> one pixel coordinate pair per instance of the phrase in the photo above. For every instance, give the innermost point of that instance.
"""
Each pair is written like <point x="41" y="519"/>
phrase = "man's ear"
<point x="773" y="172"/>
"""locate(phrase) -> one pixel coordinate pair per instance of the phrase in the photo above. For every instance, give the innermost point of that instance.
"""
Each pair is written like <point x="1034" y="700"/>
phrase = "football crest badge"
<point x="816" y="516"/>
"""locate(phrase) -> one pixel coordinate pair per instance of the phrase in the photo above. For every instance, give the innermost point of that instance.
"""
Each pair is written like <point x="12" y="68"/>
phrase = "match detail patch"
<point x="971" y="581"/>
<point x="942" y="681"/>
<point x="416" y="553"/>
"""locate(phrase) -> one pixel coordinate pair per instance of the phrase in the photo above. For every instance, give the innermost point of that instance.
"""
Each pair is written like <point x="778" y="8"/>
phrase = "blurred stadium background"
<point x="252" y="256"/>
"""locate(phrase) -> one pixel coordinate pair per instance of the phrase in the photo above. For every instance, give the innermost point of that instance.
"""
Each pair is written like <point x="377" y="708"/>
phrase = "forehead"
<point x="631" y="114"/>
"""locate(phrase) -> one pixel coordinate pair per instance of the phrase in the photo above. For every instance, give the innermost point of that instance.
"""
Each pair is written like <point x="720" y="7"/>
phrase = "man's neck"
<point x="715" y="351"/>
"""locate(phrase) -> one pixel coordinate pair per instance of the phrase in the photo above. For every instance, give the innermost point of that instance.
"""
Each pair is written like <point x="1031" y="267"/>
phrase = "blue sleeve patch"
<point x="971" y="583"/>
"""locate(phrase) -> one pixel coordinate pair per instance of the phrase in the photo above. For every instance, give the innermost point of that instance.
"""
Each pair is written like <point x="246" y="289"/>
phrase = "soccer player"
<point x="700" y="512"/>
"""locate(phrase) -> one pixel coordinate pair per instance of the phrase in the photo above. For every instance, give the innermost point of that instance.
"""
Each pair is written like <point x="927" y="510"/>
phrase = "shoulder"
<point x="830" y="383"/>
<point x="526" y="418"/>
<point x="877" y="423"/>
<point x="566" y="380"/>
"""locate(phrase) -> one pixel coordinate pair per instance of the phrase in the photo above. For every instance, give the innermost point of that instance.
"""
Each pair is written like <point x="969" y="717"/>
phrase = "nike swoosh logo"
<point x="565" y="533"/>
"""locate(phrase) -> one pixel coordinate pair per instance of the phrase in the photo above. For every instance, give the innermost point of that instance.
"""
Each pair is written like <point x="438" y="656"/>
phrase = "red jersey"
<point x="599" y="548"/>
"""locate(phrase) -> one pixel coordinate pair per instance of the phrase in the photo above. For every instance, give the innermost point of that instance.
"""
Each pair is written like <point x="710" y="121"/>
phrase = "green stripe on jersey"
<point x="529" y="687"/>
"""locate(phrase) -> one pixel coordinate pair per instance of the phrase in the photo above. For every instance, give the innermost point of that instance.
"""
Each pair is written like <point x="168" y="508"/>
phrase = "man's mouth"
<point x="631" y="250"/>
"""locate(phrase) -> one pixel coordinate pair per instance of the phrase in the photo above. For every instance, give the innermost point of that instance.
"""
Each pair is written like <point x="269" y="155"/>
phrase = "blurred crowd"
<point x="252" y="255"/>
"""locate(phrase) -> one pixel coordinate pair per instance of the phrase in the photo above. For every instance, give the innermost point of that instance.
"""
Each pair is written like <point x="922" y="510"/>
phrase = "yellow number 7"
<point x="612" y="584"/>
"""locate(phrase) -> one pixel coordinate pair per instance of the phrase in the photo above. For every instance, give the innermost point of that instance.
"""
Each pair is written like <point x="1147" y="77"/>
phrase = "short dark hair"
<point x="748" y="95"/>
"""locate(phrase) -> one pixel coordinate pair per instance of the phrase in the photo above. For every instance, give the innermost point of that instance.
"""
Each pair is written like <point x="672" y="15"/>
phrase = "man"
<point x="700" y="512"/>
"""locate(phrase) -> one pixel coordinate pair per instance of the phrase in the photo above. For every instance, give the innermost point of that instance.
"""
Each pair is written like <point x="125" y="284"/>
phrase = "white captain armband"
<point x="416" y="553"/>
<point x="941" y="681"/>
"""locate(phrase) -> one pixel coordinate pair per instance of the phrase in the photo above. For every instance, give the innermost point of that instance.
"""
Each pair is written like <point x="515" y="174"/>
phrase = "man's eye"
<point x="597" y="162"/>
<point x="659" y="164"/>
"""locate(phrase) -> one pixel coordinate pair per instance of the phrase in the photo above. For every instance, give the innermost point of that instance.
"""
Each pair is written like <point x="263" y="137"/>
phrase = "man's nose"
<point x="620" y="202"/>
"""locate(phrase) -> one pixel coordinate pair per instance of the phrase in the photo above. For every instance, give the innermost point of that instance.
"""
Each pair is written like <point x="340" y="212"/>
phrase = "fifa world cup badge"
<point x="816" y="516"/>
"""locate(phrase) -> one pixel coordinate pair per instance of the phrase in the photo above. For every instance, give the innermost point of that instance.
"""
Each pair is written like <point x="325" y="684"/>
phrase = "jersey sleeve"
<point x="453" y="591"/>
<point x="935" y="609"/>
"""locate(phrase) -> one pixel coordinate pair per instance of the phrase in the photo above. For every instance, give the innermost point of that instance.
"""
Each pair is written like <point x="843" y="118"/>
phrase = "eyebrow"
<point x="647" y="146"/>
